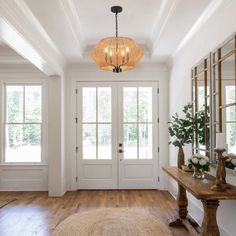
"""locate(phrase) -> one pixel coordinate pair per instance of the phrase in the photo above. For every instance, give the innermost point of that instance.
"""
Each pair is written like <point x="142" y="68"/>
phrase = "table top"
<point x="200" y="188"/>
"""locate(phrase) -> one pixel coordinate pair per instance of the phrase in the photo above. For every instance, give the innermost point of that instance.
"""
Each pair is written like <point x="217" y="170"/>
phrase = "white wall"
<point x="90" y="72"/>
<point x="56" y="136"/>
<point x="221" y="25"/>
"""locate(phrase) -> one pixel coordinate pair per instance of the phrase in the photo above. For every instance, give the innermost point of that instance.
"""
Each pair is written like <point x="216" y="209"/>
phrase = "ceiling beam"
<point x="21" y="31"/>
<point x="166" y="10"/>
<point x="8" y="56"/>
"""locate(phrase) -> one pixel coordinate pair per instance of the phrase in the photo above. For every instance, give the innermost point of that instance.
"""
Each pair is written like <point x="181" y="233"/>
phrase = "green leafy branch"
<point x="182" y="129"/>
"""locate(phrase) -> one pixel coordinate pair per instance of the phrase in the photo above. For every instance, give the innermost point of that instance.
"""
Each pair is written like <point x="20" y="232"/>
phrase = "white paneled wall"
<point x="23" y="178"/>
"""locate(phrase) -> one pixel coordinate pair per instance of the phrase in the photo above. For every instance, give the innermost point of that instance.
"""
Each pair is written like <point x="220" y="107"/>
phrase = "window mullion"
<point x="23" y="104"/>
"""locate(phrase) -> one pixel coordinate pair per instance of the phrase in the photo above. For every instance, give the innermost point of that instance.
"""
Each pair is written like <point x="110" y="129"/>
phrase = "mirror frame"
<point x="205" y="73"/>
<point x="215" y="107"/>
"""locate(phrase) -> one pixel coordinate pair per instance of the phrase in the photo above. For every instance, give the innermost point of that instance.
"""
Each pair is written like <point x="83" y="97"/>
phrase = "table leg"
<point x="209" y="223"/>
<point x="182" y="207"/>
<point x="182" y="202"/>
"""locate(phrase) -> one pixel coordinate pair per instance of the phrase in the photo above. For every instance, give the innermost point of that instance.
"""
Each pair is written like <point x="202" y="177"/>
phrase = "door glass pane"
<point x="130" y="104"/>
<point x="23" y="143"/>
<point x="89" y="141"/>
<point x="145" y="141"/>
<point x="33" y="103"/>
<point x="104" y="141"/>
<point x="145" y="104"/>
<point x="89" y="104"/>
<point x="14" y="104"/>
<point x="104" y="104"/>
<point x="130" y="141"/>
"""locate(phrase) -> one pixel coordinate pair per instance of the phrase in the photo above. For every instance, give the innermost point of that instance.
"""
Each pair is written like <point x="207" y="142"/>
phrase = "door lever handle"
<point x="120" y="151"/>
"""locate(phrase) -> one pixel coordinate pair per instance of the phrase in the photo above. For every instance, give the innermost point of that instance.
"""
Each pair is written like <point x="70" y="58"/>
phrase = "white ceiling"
<point x="72" y="27"/>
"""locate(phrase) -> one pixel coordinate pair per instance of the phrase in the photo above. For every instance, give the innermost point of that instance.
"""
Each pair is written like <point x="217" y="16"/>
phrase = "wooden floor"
<point x="34" y="213"/>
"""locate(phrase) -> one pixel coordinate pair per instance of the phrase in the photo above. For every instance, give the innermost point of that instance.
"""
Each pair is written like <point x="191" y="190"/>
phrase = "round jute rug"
<point x="111" y="222"/>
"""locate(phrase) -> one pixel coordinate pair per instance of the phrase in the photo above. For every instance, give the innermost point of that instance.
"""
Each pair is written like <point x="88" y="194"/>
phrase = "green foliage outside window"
<point x="23" y="116"/>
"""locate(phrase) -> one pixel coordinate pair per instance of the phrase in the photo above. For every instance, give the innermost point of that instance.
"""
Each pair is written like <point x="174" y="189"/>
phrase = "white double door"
<point x="117" y="135"/>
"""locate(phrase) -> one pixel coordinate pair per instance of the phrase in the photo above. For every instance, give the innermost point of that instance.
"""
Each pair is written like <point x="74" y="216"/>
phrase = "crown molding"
<point x="21" y="31"/>
<point x="209" y="11"/>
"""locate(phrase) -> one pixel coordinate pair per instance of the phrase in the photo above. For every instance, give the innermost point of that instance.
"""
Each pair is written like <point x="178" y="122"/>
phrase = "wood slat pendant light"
<point x="117" y="53"/>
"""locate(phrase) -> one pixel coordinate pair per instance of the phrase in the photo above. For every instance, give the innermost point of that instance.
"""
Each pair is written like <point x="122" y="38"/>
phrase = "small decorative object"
<point x="186" y="168"/>
<point x="218" y="186"/>
<point x="221" y="141"/>
<point x="200" y="164"/>
<point x="181" y="129"/>
<point x="198" y="173"/>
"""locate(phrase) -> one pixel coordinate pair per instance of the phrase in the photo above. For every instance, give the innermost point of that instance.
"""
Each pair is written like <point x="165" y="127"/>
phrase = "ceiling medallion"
<point x="117" y="53"/>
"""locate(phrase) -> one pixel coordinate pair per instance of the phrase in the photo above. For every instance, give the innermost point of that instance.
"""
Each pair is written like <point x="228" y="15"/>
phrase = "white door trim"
<point x="82" y="185"/>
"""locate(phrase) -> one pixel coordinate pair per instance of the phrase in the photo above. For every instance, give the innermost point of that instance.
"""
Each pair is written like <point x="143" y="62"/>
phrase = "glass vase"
<point x="198" y="173"/>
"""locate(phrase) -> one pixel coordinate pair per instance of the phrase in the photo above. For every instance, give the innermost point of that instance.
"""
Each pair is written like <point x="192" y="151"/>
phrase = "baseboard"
<point x="194" y="206"/>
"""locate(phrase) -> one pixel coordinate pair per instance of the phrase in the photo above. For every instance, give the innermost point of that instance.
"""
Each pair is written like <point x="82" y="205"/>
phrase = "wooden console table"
<point x="201" y="190"/>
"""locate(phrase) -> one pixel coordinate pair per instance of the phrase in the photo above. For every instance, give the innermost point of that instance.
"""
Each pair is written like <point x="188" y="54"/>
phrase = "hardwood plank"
<point x="34" y="213"/>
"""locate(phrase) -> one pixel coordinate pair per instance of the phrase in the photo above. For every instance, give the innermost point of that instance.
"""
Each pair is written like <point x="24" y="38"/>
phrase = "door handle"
<point x="120" y="151"/>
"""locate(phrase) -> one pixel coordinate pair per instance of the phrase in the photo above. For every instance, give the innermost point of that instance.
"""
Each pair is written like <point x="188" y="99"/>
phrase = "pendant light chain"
<point x="116" y="25"/>
<point x="116" y="40"/>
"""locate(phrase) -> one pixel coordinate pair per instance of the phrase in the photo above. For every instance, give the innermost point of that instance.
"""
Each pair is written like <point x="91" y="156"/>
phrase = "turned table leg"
<point x="182" y="202"/>
<point x="182" y="207"/>
<point x="209" y="223"/>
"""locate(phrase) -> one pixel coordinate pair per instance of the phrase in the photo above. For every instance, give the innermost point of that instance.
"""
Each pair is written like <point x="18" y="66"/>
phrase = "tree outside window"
<point x="23" y="123"/>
